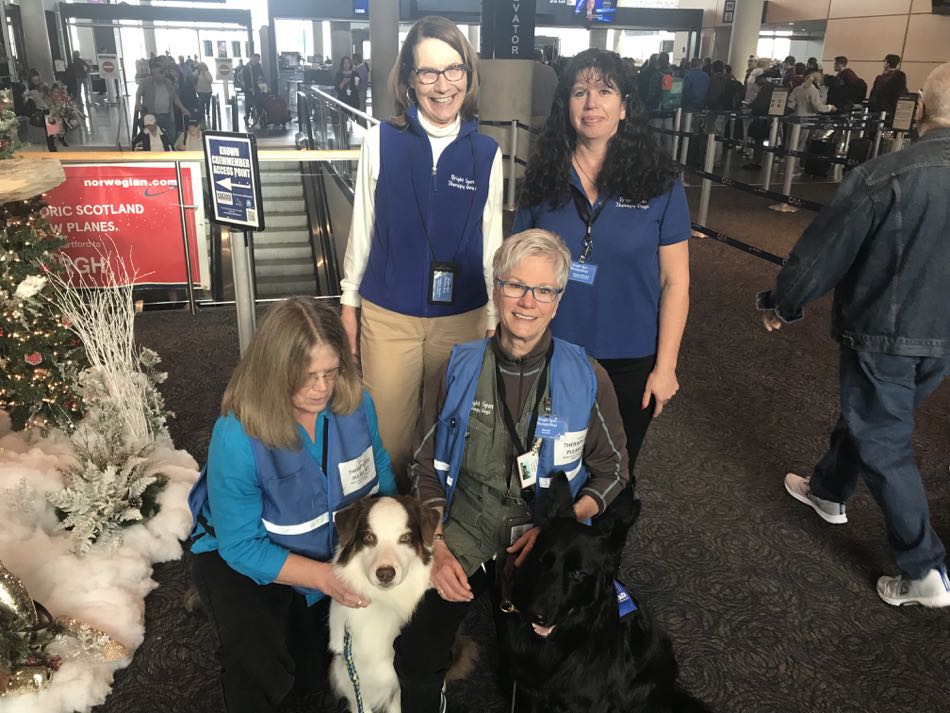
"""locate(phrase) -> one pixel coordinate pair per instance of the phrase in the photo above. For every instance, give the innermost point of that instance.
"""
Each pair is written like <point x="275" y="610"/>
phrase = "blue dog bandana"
<point x="625" y="603"/>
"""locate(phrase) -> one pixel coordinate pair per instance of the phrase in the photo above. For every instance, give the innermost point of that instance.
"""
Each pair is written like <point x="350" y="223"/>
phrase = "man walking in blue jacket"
<point x="882" y="245"/>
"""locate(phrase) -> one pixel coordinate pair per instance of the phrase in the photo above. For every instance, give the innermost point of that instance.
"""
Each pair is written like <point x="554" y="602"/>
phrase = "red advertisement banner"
<point x="129" y="214"/>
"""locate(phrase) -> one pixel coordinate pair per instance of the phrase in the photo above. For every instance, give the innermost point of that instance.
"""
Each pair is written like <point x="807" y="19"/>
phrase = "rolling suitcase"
<point x="276" y="110"/>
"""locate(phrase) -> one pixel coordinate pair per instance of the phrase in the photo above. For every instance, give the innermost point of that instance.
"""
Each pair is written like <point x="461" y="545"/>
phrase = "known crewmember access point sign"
<point x="234" y="179"/>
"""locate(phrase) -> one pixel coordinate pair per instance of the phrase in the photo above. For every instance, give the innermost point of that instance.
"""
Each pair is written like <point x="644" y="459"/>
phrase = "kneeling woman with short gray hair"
<point x="511" y="411"/>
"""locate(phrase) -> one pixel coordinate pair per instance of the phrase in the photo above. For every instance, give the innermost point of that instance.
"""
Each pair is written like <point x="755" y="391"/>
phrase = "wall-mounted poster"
<point x="222" y="48"/>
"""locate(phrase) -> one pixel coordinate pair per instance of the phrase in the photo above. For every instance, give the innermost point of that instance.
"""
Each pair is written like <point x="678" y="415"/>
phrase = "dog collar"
<point x="625" y="603"/>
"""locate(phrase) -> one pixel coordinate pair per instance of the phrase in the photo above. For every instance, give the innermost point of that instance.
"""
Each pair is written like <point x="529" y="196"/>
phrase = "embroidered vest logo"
<point x="462" y="183"/>
<point x="624" y="203"/>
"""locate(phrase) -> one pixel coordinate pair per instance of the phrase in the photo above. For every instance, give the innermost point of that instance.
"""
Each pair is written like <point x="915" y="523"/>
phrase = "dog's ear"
<point x="615" y="522"/>
<point x="558" y="501"/>
<point x="428" y="521"/>
<point x="347" y="520"/>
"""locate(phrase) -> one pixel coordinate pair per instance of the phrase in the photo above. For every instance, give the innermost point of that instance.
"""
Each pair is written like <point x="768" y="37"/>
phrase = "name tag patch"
<point x="582" y="272"/>
<point x="359" y="472"/>
<point x="569" y="447"/>
<point x="549" y="427"/>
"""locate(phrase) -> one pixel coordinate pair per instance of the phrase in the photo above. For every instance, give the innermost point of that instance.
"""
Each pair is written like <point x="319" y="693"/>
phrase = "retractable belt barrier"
<point x="755" y="190"/>
<point x="738" y="244"/>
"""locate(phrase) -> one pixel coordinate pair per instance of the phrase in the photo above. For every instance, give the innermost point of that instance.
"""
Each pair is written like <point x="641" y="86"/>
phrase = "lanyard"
<point x="583" y="212"/>
<point x="422" y="218"/>
<point x="326" y="437"/>
<point x="506" y="416"/>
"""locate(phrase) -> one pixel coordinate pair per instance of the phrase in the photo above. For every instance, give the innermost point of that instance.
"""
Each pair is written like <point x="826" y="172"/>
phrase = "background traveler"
<point x="882" y="245"/>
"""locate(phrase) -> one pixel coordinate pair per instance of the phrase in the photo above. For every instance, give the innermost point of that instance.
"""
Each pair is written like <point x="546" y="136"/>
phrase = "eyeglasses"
<point x="517" y="290"/>
<point x="430" y="75"/>
<point x="328" y="377"/>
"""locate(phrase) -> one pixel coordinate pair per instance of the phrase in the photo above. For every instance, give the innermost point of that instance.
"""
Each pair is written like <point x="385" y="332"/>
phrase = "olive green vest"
<point x="483" y="504"/>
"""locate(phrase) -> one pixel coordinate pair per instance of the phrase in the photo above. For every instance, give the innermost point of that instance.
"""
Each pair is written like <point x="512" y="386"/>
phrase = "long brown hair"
<point x="439" y="28"/>
<point x="275" y="367"/>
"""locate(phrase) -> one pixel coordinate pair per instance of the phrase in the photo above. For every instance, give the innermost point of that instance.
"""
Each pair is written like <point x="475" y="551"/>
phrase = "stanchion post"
<point x="684" y="143"/>
<point x="882" y="117"/>
<point x="727" y="150"/>
<point x="192" y="307"/>
<point x="790" y="162"/>
<point x="512" y="163"/>
<point x="770" y="156"/>
<point x="707" y="183"/>
<point x="243" y="290"/>
<point x="899" y="140"/>
<point x="677" y="123"/>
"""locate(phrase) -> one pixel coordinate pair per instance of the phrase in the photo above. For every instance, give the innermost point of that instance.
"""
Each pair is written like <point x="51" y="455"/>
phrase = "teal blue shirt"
<point x="235" y="502"/>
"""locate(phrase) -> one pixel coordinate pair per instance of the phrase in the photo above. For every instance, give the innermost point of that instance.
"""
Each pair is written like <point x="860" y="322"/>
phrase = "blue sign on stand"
<point x="234" y="179"/>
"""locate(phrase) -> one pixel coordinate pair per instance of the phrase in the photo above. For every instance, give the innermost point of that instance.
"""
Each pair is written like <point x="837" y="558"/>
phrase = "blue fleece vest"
<point x="450" y="200"/>
<point x="573" y="389"/>
<point x="299" y="500"/>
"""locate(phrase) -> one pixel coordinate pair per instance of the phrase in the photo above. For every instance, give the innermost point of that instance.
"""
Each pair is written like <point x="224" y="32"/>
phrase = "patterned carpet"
<point x="769" y="608"/>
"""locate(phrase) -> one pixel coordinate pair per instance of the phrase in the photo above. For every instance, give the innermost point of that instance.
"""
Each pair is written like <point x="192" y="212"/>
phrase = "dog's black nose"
<point x="386" y="574"/>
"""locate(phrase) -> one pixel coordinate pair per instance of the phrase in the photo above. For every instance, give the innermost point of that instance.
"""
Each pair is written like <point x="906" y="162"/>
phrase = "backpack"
<point x="858" y="89"/>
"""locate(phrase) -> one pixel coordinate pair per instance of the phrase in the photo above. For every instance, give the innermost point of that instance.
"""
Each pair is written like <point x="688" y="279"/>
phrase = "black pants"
<point x="270" y="641"/>
<point x="424" y="649"/>
<point x="629" y="377"/>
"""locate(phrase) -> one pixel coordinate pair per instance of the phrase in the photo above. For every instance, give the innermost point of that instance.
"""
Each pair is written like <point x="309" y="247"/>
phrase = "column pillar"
<point x="341" y="41"/>
<point x="507" y="30"/>
<point x="38" y="53"/>
<point x="148" y="35"/>
<point x="744" y="40"/>
<point x="318" y="40"/>
<point x="598" y="39"/>
<point x="384" y="39"/>
<point x="474" y="35"/>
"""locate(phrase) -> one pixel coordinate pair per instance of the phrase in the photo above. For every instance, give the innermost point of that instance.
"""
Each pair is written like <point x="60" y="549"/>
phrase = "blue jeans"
<point x="872" y="439"/>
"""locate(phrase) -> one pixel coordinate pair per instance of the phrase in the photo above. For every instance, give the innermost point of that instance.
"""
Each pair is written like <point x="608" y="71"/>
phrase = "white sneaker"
<point x="797" y="486"/>
<point x="933" y="590"/>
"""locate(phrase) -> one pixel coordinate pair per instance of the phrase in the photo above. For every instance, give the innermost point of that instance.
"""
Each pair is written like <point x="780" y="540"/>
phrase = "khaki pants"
<point x="401" y="356"/>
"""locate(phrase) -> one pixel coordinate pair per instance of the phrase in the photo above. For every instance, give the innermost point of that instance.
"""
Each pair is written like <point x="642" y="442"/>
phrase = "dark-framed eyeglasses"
<point x="517" y="290"/>
<point x="430" y="75"/>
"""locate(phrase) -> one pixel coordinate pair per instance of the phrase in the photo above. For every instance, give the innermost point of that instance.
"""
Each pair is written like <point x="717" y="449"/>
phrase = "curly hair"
<point x="635" y="168"/>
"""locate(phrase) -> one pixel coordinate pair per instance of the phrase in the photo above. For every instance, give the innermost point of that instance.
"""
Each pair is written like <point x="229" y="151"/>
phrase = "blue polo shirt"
<point x="616" y="317"/>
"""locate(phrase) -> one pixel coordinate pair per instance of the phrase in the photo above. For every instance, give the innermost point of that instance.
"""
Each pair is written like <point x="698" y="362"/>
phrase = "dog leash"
<point x="351" y="667"/>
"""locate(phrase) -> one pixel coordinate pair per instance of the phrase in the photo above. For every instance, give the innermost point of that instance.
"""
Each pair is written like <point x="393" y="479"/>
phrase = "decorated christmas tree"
<point x="37" y="351"/>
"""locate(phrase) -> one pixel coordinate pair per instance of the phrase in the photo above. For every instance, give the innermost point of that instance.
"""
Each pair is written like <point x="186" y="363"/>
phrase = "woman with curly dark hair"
<point x="598" y="179"/>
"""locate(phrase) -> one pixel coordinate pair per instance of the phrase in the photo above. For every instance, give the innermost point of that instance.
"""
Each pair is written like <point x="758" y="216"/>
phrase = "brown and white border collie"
<point x="385" y="554"/>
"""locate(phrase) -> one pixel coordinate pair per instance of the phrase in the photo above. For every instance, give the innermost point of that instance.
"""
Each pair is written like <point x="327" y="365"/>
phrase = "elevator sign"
<point x="234" y="179"/>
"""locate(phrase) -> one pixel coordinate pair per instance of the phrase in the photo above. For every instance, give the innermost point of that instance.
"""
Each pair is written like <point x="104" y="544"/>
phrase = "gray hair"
<point x="533" y="242"/>
<point x="936" y="96"/>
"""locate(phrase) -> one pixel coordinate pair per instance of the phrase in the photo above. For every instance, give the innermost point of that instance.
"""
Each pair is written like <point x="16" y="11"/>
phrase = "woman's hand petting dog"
<point x="522" y="546"/>
<point x="448" y="576"/>
<point x="330" y="584"/>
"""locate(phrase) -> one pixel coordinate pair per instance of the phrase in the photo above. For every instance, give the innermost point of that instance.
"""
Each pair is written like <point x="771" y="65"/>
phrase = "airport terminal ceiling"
<point x="549" y="13"/>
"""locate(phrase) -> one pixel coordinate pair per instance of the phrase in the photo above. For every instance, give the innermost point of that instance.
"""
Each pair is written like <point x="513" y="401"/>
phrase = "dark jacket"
<point x="887" y="89"/>
<point x="882" y="245"/>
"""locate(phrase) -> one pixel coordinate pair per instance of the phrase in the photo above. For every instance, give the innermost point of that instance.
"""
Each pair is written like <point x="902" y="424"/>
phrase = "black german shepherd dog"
<point x="568" y="647"/>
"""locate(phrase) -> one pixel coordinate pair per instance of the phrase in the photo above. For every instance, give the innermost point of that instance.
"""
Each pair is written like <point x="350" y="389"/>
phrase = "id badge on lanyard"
<point x="442" y="283"/>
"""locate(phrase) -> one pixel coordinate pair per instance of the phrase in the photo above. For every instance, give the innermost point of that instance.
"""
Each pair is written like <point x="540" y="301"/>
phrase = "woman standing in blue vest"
<point x="427" y="218"/>
<point x="598" y="180"/>
<point x="297" y="440"/>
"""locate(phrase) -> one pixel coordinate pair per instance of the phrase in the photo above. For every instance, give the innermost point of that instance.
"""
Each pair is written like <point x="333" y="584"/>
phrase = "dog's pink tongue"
<point x="542" y="630"/>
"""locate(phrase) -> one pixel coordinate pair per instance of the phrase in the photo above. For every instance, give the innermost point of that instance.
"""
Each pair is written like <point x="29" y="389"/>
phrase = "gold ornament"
<point x="16" y="605"/>
<point x="89" y="641"/>
<point x="27" y="679"/>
